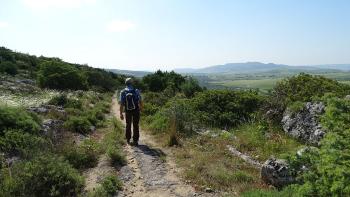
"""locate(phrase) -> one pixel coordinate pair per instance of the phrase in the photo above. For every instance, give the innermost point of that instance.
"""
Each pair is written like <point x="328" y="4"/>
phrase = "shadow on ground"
<point x="154" y="152"/>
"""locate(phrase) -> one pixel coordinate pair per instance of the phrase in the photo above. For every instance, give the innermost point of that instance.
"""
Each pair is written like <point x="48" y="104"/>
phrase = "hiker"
<point x="130" y="102"/>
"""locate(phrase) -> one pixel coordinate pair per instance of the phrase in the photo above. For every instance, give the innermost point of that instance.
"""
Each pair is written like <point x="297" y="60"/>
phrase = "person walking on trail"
<point x="130" y="102"/>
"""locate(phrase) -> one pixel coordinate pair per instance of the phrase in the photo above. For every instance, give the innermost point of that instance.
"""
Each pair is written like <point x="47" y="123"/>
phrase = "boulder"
<point x="43" y="109"/>
<point x="52" y="128"/>
<point x="276" y="172"/>
<point x="304" y="124"/>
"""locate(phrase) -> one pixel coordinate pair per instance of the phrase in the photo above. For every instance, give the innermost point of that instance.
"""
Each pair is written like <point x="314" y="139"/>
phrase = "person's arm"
<point x="121" y="106"/>
<point x="140" y="100"/>
<point x="141" y="105"/>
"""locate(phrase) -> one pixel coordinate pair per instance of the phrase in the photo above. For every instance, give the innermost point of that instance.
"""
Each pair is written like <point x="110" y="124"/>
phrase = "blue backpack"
<point x="131" y="99"/>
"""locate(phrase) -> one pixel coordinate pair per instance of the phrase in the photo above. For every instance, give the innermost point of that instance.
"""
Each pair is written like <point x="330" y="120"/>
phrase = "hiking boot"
<point x="135" y="143"/>
<point x="128" y="141"/>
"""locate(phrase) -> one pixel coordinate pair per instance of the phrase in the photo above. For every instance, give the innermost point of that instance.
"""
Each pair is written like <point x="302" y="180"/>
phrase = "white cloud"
<point x="3" y="24"/>
<point x="44" y="4"/>
<point x="120" y="26"/>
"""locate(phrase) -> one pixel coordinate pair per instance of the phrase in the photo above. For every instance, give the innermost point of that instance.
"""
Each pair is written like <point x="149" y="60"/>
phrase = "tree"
<point x="159" y="81"/>
<point x="8" y="67"/>
<point x="61" y="76"/>
<point x="190" y="87"/>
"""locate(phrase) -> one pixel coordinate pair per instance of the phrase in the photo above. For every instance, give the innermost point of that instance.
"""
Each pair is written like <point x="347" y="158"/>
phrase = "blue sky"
<point x="167" y="34"/>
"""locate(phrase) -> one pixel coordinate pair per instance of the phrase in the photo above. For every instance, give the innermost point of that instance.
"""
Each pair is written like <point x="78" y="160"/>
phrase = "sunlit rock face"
<point x="304" y="124"/>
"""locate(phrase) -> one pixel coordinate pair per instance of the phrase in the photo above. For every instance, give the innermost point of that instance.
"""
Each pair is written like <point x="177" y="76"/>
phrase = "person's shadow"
<point x="154" y="152"/>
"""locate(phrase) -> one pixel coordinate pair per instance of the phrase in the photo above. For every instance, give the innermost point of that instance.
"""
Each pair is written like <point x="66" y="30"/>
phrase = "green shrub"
<point x="83" y="156"/>
<point x="9" y="68"/>
<point x="95" y="116"/>
<point x="59" y="100"/>
<point x="159" y="123"/>
<point x="159" y="81"/>
<point x="149" y="109"/>
<point x="44" y="176"/>
<point x="225" y="108"/>
<point x="98" y="192"/>
<point x="297" y="106"/>
<point x="190" y="87"/>
<point x="18" y="119"/>
<point x="109" y="187"/>
<point x="301" y="88"/>
<point x="116" y="155"/>
<point x="23" y="144"/>
<point x="155" y="98"/>
<point x="61" y="76"/>
<point x="328" y="166"/>
<point x="112" y="184"/>
<point x="78" y="124"/>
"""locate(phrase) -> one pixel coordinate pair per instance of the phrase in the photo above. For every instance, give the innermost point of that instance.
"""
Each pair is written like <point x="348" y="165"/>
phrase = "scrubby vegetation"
<point x="49" y="111"/>
<point x="252" y="124"/>
<point x="301" y="88"/>
<point x="56" y="74"/>
<point x="42" y="176"/>
<point x="109" y="187"/>
<point x="200" y="123"/>
<point x="112" y="144"/>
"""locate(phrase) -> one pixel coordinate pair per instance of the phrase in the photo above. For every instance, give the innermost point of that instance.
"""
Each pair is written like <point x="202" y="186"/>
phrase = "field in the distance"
<point x="263" y="82"/>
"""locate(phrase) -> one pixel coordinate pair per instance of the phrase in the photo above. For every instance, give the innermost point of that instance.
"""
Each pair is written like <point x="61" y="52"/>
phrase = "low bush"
<point x="22" y="144"/>
<point x="95" y="116"/>
<point x="112" y="184"/>
<point x="9" y="68"/>
<point x="18" y="119"/>
<point x="301" y="88"/>
<point x="83" y="156"/>
<point x="79" y="124"/>
<point x="59" y="100"/>
<point x="116" y="155"/>
<point x="190" y="87"/>
<point x="61" y="76"/>
<point x="109" y="187"/>
<point x="225" y="108"/>
<point x="63" y="100"/>
<point x="43" y="176"/>
<point x="328" y="169"/>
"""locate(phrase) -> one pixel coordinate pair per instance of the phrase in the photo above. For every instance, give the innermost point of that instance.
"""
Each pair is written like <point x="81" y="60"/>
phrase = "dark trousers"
<point x="134" y="118"/>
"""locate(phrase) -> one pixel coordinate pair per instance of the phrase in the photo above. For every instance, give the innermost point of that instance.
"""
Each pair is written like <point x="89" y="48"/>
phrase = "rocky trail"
<point x="150" y="170"/>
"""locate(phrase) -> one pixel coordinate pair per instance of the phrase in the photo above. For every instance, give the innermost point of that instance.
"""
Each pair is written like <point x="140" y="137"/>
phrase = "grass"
<point x="263" y="84"/>
<point x="261" y="143"/>
<point x="207" y="163"/>
<point x="113" y="141"/>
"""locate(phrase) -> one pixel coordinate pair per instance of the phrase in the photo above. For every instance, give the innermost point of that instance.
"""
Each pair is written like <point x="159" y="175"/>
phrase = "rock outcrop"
<point x="304" y="124"/>
<point x="52" y="128"/>
<point x="276" y="172"/>
<point x="43" y="109"/>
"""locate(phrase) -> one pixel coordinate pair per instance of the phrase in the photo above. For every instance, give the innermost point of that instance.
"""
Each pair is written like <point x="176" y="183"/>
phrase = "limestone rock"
<point x="276" y="172"/>
<point x="304" y="124"/>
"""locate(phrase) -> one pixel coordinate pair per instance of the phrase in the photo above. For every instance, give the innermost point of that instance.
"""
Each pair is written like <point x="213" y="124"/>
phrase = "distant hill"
<point x="343" y="67"/>
<point x="129" y="72"/>
<point x="257" y="67"/>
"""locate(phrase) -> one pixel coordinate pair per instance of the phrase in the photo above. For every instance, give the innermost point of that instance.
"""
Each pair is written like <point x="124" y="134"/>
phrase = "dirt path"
<point x="148" y="173"/>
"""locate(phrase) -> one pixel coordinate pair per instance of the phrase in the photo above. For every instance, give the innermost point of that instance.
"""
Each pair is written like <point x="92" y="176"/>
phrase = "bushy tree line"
<point x="56" y="74"/>
<point x="170" y="83"/>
